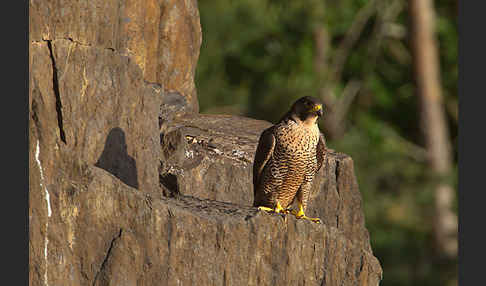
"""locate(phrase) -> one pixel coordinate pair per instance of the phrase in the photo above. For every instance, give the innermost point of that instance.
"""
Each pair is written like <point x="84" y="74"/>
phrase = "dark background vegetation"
<point x="258" y="56"/>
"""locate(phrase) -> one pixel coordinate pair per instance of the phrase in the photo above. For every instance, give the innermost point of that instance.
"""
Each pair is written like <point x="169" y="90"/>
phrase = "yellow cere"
<point x="317" y="107"/>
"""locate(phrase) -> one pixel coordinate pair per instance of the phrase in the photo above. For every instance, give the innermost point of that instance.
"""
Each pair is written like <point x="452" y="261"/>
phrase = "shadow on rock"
<point x="116" y="160"/>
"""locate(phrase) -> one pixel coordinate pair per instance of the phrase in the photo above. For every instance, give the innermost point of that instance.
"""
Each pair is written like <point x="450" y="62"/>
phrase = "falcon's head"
<point x="307" y="109"/>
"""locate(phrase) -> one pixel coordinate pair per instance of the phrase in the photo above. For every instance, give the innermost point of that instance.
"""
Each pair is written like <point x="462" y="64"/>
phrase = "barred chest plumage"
<point x="295" y="150"/>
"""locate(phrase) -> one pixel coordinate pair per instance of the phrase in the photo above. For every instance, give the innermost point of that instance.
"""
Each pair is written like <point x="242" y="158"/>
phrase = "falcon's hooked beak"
<point x="317" y="109"/>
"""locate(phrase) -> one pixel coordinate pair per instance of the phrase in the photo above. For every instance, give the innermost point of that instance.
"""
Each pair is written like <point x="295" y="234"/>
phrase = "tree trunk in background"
<point x="426" y="71"/>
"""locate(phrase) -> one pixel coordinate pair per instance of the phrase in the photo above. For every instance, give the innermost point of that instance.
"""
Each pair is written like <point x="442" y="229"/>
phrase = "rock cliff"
<point x="129" y="185"/>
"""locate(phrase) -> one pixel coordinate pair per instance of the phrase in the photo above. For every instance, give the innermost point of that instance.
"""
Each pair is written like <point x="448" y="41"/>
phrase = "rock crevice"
<point x="55" y="86"/>
<point x="108" y="252"/>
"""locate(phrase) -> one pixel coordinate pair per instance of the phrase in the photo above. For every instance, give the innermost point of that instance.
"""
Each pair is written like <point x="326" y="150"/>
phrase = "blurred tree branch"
<point x="387" y="12"/>
<point x="331" y="74"/>
<point x="433" y="120"/>
<point x="351" y="37"/>
<point x="338" y="107"/>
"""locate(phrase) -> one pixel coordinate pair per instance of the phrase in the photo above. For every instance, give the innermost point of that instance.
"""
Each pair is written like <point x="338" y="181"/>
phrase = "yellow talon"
<point x="278" y="209"/>
<point x="265" y="209"/>
<point x="301" y="215"/>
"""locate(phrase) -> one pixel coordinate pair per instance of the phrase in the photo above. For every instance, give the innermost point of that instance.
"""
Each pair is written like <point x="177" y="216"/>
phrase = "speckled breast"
<point x="294" y="160"/>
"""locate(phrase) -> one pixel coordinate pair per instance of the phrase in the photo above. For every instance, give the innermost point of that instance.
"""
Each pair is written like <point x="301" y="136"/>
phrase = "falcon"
<point x="288" y="156"/>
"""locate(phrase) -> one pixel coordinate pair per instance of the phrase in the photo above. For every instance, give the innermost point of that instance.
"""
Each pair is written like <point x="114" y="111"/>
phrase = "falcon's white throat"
<point x="310" y="121"/>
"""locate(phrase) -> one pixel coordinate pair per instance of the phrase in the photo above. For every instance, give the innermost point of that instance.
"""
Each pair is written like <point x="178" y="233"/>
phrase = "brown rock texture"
<point x="211" y="156"/>
<point x="128" y="185"/>
<point x="160" y="38"/>
<point x="103" y="232"/>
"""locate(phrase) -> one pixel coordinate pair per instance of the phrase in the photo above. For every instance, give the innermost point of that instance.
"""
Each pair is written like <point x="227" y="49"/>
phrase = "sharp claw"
<point x="316" y="220"/>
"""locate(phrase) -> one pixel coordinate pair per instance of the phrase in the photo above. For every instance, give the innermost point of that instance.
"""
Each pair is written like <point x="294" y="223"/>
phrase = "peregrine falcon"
<point x="288" y="156"/>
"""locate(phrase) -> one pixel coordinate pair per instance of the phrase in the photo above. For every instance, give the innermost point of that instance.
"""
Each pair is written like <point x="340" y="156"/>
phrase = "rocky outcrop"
<point x="211" y="157"/>
<point x="103" y="232"/>
<point x="128" y="185"/>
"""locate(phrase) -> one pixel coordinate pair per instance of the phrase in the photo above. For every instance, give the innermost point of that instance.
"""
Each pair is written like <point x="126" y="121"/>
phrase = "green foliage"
<point x="258" y="56"/>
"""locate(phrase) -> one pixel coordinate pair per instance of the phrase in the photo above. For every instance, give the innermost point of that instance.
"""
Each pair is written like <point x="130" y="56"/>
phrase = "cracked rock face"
<point x="128" y="185"/>
<point x="100" y="73"/>
<point x="161" y="38"/>
<point x="91" y="115"/>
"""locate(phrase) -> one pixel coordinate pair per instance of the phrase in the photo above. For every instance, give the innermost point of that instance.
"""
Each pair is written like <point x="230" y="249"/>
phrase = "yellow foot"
<point x="266" y="209"/>
<point x="278" y="209"/>
<point x="300" y="215"/>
